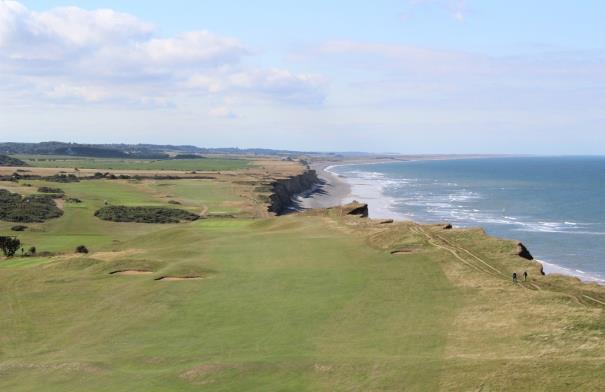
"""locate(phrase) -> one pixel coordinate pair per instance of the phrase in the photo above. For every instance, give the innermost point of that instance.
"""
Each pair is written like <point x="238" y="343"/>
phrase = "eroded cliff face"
<point x="285" y="191"/>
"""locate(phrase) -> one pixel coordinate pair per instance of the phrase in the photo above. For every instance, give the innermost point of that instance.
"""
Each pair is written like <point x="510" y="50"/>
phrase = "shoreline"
<point x="337" y="190"/>
<point x="332" y="192"/>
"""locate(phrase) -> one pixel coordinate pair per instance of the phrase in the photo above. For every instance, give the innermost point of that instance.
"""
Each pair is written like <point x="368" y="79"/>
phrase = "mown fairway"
<point x="205" y="164"/>
<point x="295" y="303"/>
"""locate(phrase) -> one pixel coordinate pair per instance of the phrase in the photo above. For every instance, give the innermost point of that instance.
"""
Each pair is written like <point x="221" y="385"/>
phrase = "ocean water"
<point x="555" y="205"/>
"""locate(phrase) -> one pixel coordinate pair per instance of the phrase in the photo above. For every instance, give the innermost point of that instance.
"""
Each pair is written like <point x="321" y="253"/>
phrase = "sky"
<point x="407" y="76"/>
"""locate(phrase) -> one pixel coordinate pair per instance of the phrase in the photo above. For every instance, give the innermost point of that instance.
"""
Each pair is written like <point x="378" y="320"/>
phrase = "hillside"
<point x="5" y="160"/>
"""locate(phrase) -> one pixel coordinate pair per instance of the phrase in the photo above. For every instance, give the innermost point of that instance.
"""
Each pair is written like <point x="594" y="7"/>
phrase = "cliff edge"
<point x="284" y="191"/>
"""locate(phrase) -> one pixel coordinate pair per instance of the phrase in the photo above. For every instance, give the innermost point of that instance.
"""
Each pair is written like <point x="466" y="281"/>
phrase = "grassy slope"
<point x="135" y="164"/>
<point x="293" y="303"/>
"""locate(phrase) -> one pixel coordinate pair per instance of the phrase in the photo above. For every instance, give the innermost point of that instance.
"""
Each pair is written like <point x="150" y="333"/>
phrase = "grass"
<point x="257" y="319"/>
<point x="207" y="164"/>
<point x="296" y="303"/>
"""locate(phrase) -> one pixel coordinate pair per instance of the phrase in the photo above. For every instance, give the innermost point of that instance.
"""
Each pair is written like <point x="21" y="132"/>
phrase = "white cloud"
<point x="103" y="56"/>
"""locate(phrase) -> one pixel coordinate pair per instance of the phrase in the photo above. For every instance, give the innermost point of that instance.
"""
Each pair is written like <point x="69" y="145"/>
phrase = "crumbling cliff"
<point x="285" y="191"/>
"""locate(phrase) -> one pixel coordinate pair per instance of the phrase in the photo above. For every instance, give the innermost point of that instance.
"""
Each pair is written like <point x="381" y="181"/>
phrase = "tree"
<point x="9" y="245"/>
<point x="81" y="249"/>
<point x="32" y="250"/>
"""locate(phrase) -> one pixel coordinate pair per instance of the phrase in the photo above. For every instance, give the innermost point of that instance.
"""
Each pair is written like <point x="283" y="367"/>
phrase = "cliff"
<point x="285" y="190"/>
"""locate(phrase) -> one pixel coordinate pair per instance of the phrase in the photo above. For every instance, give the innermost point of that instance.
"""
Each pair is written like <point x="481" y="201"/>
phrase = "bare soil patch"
<point x="131" y="272"/>
<point x="177" y="278"/>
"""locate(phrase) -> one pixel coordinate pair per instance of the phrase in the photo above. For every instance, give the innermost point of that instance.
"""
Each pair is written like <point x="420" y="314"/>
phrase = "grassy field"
<point x="312" y="302"/>
<point x="206" y="164"/>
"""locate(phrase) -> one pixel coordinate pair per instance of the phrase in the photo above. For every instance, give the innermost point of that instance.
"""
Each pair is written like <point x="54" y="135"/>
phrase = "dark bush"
<point x="73" y="200"/>
<point x="19" y="228"/>
<point x="33" y="208"/>
<point x="9" y="245"/>
<point x="46" y="189"/>
<point x="145" y="214"/>
<point x="81" y="249"/>
<point x="63" y="178"/>
<point x="32" y="250"/>
<point x="188" y="156"/>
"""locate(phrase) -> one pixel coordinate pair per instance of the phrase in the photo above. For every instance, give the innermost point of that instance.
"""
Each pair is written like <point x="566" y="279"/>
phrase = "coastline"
<point x="338" y="190"/>
<point x="333" y="192"/>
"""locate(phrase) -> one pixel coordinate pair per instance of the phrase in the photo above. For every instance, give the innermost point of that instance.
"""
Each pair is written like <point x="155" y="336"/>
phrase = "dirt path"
<point x="477" y="263"/>
<point x="481" y="265"/>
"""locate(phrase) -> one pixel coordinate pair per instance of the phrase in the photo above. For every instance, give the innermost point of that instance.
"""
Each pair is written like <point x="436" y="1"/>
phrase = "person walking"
<point x="514" y="277"/>
<point x="525" y="276"/>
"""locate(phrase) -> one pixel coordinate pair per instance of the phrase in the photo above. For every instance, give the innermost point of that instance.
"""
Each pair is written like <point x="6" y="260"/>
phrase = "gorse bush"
<point x="9" y="245"/>
<point x="64" y="178"/>
<point x="33" y="208"/>
<point x="46" y="189"/>
<point x="145" y="214"/>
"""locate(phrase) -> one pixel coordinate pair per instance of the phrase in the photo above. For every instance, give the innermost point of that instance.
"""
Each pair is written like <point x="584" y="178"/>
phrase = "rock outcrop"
<point x="522" y="251"/>
<point x="284" y="191"/>
<point x="356" y="208"/>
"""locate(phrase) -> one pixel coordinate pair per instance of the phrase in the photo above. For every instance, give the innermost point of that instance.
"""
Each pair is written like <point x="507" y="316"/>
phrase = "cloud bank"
<point x="69" y="54"/>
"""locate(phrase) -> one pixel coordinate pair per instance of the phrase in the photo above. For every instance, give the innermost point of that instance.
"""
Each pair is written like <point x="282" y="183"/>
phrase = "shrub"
<point x="145" y="214"/>
<point x="81" y="249"/>
<point x="9" y="245"/>
<point x="73" y="200"/>
<point x="32" y="250"/>
<point x="19" y="228"/>
<point x="64" y="178"/>
<point x="46" y="189"/>
<point x="33" y="208"/>
<point x="188" y="156"/>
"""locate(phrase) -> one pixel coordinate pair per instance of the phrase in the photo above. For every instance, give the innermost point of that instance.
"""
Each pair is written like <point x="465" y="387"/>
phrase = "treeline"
<point x="141" y="151"/>
<point x="83" y="150"/>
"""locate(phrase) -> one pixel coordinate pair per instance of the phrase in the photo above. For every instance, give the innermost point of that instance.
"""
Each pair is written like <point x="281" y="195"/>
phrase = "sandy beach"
<point x="330" y="194"/>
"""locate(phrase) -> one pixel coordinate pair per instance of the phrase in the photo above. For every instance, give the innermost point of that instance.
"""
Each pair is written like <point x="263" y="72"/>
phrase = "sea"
<point x="554" y="205"/>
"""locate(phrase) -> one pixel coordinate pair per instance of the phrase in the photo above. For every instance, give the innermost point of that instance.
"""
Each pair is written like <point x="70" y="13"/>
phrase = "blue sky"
<point x="410" y="76"/>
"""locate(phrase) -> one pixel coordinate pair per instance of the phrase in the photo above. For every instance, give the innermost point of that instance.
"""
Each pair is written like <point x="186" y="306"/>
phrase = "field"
<point x="205" y="164"/>
<point x="307" y="302"/>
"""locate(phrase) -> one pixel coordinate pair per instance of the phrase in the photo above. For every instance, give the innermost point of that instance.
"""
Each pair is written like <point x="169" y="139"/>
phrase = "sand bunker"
<point x="179" y="278"/>
<point x="402" y="251"/>
<point x="131" y="272"/>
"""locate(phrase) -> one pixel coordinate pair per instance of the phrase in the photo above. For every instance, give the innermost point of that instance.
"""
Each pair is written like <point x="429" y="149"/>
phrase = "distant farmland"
<point x="202" y="164"/>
